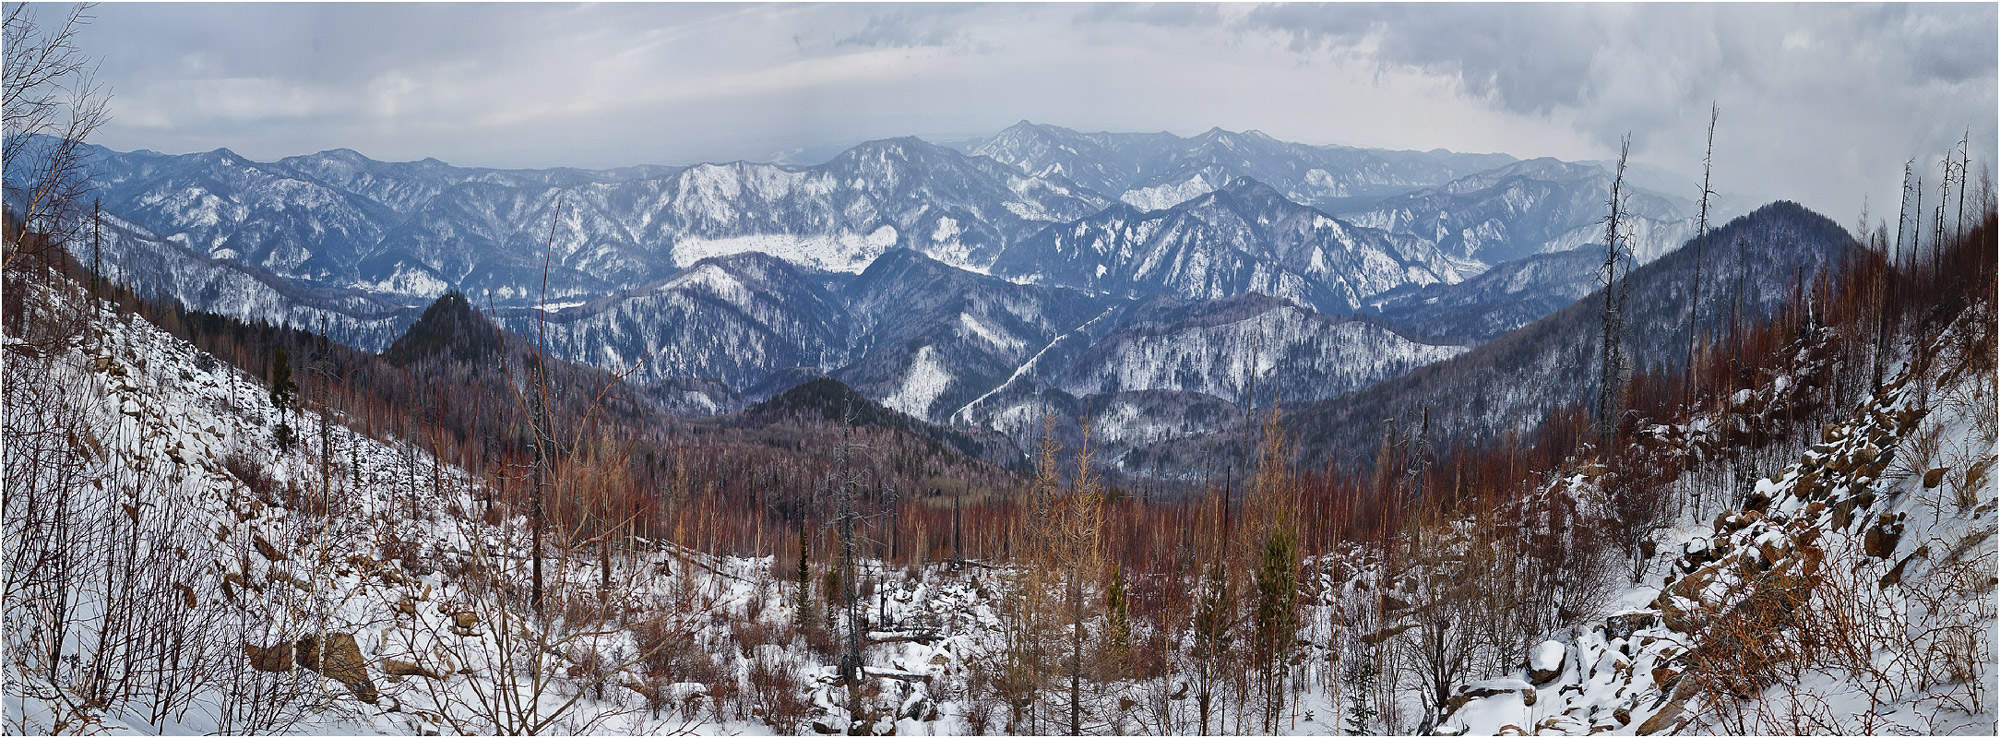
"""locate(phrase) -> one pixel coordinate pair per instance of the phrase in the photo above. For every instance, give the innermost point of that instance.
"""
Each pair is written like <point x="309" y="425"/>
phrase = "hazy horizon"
<point x="1820" y="103"/>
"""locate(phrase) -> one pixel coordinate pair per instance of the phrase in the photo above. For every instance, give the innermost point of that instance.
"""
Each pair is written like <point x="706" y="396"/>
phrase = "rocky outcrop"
<point x="339" y="659"/>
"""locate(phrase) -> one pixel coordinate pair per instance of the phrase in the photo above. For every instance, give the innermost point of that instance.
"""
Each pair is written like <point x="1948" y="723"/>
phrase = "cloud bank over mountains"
<point x="1820" y="103"/>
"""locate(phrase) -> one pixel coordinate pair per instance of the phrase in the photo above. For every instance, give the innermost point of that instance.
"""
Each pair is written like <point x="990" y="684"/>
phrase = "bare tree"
<point x="1701" y="240"/>
<point x="1888" y="283"/>
<point x="1964" y="164"/>
<point x="52" y="106"/>
<point x="1611" y="359"/>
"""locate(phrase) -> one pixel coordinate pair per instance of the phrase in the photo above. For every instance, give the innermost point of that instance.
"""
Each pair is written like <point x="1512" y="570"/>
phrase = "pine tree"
<point x="1358" y="680"/>
<point x="1277" y="616"/>
<point x="283" y="395"/>
<point x="283" y="390"/>
<point x="1117" y="624"/>
<point x="1273" y="512"/>
<point x="1214" y="636"/>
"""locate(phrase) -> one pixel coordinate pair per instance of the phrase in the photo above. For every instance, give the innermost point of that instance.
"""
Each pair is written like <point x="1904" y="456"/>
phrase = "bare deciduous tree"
<point x="52" y="105"/>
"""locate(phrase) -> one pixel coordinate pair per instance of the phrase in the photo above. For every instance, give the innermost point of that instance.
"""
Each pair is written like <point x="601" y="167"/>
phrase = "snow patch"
<point x="926" y="381"/>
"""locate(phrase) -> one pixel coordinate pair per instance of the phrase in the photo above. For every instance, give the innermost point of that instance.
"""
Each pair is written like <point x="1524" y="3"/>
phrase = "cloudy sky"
<point x="1819" y="103"/>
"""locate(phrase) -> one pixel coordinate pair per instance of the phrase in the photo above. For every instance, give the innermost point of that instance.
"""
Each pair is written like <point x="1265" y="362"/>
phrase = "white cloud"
<point x="1819" y="103"/>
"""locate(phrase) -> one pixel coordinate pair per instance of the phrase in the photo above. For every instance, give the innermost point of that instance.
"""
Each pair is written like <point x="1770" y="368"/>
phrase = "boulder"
<point x="270" y="552"/>
<point x="1934" y="477"/>
<point x="1377" y="637"/>
<point x="308" y="652"/>
<point x="398" y="668"/>
<point x="275" y="658"/>
<point x="1663" y="721"/>
<point x="1482" y="690"/>
<point x="1881" y="539"/>
<point x="1664" y="676"/>
<point x="339" y="659"/>
<point x="1545" y="662"/>
<point x="1624" y="624"/>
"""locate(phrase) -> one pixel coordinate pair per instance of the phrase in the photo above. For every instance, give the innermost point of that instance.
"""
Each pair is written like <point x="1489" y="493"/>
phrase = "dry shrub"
<point x="753" y="608"/>
<point x="778" y="695"/>
<point x="670" y="651"/>
<point x="752" y="634"/>
<point x="820" y="640"/>
<point x="397" y="548"/>
<point x="581" y="605"/>
<point x="253" y="475"/>
<point x="589" y="667"/>
<point x="723" y="692"/>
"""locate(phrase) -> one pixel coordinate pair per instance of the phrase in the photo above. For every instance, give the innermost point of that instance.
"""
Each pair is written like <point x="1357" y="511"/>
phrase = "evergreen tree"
<point x="283" y="390"/>
<point x="1213" y="637"/>
<point x="1117" y="624"/>
<point x="1277" y="616"/>
<point x="1358" y="680"/>
<point x="284" y="396"/>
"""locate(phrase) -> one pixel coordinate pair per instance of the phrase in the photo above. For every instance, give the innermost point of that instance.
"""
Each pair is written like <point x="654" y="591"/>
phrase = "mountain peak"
<point x="449" y="327"/>
<point x="826" y="399"/>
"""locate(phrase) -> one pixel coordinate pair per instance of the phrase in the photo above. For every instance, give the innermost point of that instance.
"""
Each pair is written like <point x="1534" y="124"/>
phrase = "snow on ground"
<point x="923" y="383"/>
<point x="1884" y="531"/>
<point x="1893" y="509"/>
<point x="1166" y="195"/>
<point x="843" y="252"/>
<point x="384" y="559"/>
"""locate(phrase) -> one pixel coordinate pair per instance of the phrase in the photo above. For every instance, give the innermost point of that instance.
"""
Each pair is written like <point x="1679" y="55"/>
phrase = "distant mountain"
<point x="730" y="320"/>
<point x="1511" y="383"/>
<point x="1243" y="238"/>
<point x="913" y="333"/>
<point x="935" y="337"/>
<point x="1180" y="367"/>
<point x="1509" y="295"/>
<point x="1125" y="269"/>
<point x="408" y="231"/>
<point x="1527" y="208"/>
<point x="826" y="401"/>
<point x="1154" y="171"/>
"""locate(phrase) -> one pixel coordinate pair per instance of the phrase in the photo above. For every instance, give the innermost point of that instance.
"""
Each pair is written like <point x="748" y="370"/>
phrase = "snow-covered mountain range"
<point x="1041" y="266"/>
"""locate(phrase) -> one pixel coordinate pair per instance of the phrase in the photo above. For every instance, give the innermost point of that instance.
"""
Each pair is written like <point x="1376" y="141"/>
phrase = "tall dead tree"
<point x="542" y="432"/>
<point x="845" y="484"/>
<point x="1700" y="240"/>
<point x="1887" y="283"/>
<point x="1917" y="224"/>
<point x="1937" y="229"/>
<point x="1611" y="355"/>
<point x="1964" y="165"/>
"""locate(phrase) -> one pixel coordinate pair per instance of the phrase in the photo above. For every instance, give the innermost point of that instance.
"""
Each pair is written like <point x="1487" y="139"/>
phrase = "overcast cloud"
<point x="1819" y="103"/>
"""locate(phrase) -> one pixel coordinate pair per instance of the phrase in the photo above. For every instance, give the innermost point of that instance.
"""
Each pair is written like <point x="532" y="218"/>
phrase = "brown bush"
<point x="751" y="634"/>
<point x="253" y="475"/>
<point x="777" y="694"/>
<point x="669" y="651"/>
<point x="820" y="640"/>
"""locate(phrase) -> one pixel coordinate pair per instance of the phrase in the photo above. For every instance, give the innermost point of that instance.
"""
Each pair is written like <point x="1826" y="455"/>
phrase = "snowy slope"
<point x="1243" y="238"/>
<point x="1883" y="535"/>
